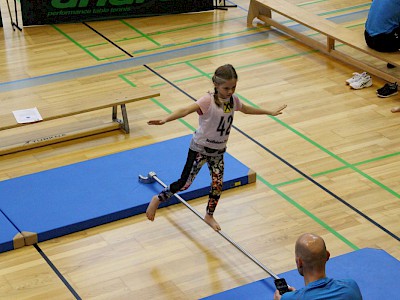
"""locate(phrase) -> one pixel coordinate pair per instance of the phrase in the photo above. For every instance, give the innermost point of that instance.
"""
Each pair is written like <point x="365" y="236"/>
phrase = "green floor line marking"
<point x="340" y="168"/>
<point x="187" y="42"/>
<point x="195" y="26"/>
<point x="159" y="84"/>
<point x="135" y="72"/>
<point x="75" y="42"/>
<point x="356" y="25"/>
<point x="277" y="59"/>
<point x="311" y="2"/>
<point x="162" y="47"/>
<point x="234" y="52"/>
<point x="276" y="190"/>
<point x="188" y="63"/>
<point x="216" y="55"/>
<point x="331" y="171"/>
<point x="345" y="163"/>
<point x="377" y="158"/>
<point x="312" y="175"/>
<point x="123" y="77"/>
<point x="128" y="39"/>
<point x="370" y="178"/>
<point x="344" y="9"/>
<point x="359" y="163"/>
<point x="84" y="48"/>
<point x="112" y="57"/>
<point x="139" y="32"/>
<point x="308" y="213"/>
<point x="242" y="50"/>
<point x="188" y="78"/>
<point x="96" y="45"/>
<point x="280" y="184"/>
<point x="208" y="75"/>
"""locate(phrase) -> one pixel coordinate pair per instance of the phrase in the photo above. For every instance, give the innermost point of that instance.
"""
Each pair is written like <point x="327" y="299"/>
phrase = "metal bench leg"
<point x="114" y="114"/>
<point x="124" y="123"/>
<point x="330" y="44"/>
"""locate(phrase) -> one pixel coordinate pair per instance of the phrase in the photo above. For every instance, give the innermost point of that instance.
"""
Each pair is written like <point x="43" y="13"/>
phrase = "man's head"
<point x="311" y="254"/>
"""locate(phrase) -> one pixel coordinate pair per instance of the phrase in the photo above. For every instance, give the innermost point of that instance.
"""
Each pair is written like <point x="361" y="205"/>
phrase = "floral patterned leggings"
<point x="192" y="167"/>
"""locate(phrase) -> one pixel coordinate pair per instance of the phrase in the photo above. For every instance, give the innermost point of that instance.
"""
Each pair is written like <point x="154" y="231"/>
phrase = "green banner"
<point x="39" y="12"/>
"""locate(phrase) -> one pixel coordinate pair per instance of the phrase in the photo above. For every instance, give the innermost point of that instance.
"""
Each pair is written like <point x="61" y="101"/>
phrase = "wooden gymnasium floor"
<point x="328" y="165"/>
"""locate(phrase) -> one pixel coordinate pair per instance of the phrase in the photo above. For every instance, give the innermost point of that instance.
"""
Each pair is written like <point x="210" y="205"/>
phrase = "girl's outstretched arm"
<point x="246" y="109"/>
<point x="180" y="113"/>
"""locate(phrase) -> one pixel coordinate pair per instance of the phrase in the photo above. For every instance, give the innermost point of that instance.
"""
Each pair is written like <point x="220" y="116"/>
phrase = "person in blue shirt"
<point x="382" y="33"/>
<point x="382" y="28"/>
<point x="311" y="257"/>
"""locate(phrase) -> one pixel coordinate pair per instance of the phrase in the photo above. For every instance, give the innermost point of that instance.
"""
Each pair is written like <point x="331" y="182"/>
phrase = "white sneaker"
<point x="356" y="77"/>
<point x="363" y="82"/>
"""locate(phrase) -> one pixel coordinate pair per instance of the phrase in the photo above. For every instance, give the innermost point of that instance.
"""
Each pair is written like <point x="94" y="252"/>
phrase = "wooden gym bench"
<point x="261" y="9"/>
<point x="70" y="107"/>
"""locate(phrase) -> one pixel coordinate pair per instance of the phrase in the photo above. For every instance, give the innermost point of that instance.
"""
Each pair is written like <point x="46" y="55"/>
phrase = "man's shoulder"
<point x="345" y="281"/>
<point x="327" y="288"/>
<point x="348" y="286"/>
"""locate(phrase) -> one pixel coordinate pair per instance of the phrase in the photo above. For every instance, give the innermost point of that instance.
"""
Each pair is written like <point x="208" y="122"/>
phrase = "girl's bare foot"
<point x="211" y="221"/>
<point x="152" y="207"/>
<point x="395" y="109"/>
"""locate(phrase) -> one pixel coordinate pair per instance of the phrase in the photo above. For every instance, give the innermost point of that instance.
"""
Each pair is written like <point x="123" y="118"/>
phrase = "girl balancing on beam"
<point x="208" y="144"/>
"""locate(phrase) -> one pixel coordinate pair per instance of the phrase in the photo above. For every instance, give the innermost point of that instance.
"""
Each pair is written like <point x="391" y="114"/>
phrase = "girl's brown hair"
<point x="221" y="75"/>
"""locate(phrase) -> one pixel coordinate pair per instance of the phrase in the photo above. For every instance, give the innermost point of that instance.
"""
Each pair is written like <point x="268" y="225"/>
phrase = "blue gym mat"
<point x="10" y="237"/>
<point x="60" y="201"/>
<point x="376" y="272"/>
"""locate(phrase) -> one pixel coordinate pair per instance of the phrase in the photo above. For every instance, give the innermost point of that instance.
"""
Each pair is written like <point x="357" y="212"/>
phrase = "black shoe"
<point x="389" y="89"/>
<point x="390" y="66"/>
